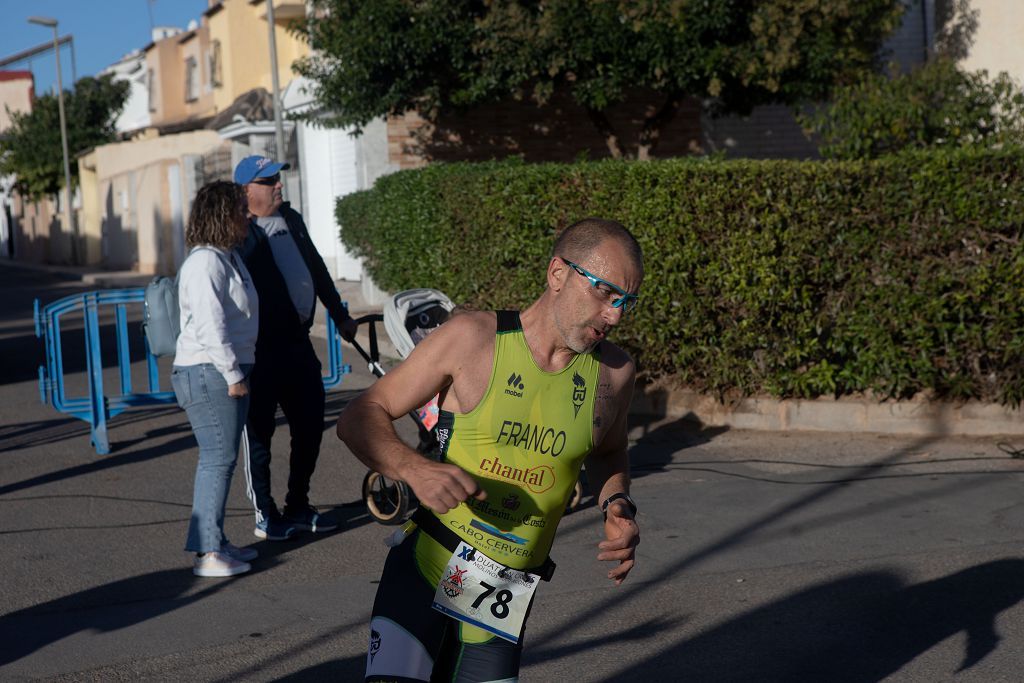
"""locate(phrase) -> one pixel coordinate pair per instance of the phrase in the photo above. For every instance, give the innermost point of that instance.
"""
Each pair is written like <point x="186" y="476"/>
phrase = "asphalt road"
<point x="764" y="557"/>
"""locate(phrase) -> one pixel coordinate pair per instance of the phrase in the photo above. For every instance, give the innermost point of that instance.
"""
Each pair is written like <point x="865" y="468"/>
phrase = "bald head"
<point x="581" y="238"/>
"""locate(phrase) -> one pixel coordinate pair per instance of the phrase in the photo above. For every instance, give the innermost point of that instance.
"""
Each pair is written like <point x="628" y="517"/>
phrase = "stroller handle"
<point x="372" y="357"/>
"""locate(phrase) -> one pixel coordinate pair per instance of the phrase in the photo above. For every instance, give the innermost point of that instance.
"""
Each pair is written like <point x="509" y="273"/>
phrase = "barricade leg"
<point x="94" y="363"/>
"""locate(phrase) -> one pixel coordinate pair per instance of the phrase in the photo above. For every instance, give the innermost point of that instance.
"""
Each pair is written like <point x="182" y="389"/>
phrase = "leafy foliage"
<point x="31" y="149"/>
<point x="797" y="279"/>
<point x="935" y="105"/>
<point x="392" y="56"/>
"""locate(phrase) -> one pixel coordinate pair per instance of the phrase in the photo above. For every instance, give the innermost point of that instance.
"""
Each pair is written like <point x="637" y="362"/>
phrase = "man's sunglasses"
<point x="611" y="295"/>
<point x="269" y="180"/>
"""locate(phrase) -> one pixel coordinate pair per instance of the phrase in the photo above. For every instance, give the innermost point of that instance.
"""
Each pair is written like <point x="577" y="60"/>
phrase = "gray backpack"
<point x="161" y="320"/>
<point x="161" y="317"/>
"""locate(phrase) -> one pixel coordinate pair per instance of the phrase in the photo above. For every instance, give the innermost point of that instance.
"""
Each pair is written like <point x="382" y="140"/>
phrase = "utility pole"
<point x="276" y="88"/>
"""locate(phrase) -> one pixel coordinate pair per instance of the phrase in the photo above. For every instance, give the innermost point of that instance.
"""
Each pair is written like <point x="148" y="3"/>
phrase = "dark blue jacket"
<point x="279" y="322"/>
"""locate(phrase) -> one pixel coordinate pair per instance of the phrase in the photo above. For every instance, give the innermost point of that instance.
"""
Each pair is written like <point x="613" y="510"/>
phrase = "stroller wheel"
<point x="387" y="501"/>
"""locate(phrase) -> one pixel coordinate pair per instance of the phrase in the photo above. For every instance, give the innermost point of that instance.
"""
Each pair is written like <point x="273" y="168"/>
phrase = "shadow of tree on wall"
<point x="120" y="247"/>
<point x="956" y="24"/>
<point x="560" y="131"/>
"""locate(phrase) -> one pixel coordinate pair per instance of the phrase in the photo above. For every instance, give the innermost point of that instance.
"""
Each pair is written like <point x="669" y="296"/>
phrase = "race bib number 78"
<point x="487" y="594"/>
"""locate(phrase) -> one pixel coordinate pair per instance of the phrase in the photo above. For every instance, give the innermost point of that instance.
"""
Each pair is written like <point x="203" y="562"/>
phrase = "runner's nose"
<point x="612" y="315"/>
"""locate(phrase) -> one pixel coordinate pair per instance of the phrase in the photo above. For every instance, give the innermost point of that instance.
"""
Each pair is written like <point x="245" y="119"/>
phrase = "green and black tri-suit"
<point x="524" y="444"/>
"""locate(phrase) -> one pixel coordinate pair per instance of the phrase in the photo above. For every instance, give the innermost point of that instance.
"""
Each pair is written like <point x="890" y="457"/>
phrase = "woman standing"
<point x="214" y="355"/>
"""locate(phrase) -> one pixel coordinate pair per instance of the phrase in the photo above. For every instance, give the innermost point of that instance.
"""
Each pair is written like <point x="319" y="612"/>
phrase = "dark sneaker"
<point x="274" y="529"/>
<point x="308" y="519"/>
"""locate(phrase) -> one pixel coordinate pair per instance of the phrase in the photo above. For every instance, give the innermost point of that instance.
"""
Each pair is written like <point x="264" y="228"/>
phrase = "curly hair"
<point x="215" y="214"/>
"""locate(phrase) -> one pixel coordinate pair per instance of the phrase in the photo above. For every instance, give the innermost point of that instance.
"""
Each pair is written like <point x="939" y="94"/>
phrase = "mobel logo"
<point x="515" y="385"/>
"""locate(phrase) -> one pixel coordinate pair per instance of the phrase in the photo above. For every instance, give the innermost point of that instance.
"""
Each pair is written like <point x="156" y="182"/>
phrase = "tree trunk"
<point x="604" y="127"/>
<point x="655" y="122"/>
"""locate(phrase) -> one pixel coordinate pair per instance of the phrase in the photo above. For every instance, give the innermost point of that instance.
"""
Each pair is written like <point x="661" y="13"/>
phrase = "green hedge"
<point x="796" y="279"/>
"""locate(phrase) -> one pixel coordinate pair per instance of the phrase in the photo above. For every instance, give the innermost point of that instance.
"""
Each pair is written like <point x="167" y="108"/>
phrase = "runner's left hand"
<point x="622" y="535"/>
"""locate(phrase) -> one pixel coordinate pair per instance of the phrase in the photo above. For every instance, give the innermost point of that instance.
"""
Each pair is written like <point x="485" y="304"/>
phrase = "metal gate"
<point x="97" y="407"/>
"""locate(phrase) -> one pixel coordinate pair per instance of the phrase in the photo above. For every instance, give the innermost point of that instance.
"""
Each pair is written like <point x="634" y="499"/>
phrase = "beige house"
<point x="136" y="194"/>
<point x="17" y="90"/>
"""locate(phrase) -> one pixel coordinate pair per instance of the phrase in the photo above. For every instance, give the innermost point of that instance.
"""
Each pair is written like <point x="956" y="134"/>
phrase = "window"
<point x="216" y="77"/>
<point x="191" y="80"/>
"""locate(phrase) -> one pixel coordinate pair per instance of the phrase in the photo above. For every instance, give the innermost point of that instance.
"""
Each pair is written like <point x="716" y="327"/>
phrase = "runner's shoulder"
<point x="471" y="326"/>
<point x="616" y="362"/>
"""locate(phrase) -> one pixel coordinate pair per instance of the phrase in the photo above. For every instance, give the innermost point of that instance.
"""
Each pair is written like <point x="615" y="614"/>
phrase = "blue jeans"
<point x="217" y="421"/>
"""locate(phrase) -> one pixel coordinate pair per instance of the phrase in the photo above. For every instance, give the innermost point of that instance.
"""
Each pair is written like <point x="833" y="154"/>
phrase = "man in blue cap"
<point x="290" y="276"/>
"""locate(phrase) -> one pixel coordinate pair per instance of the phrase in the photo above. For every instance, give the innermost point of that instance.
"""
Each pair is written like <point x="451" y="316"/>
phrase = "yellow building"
<point x="136" y="194"/>
<point x="239" y="46"/>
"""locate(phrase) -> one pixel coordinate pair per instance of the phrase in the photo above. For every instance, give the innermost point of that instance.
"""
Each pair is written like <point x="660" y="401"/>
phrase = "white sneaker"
<point x="240" y="554"/>
<point x="215" y="564"/>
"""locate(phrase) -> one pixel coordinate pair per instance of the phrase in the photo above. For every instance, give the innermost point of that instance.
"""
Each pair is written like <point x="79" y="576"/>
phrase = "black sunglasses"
<point x="269" y="180"/>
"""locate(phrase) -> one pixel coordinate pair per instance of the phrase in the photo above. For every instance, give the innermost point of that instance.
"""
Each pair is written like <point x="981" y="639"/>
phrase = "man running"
<point x="525" y="399"/>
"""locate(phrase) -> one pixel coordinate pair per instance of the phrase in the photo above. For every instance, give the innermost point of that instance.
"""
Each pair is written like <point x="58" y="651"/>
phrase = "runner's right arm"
<point x="366" y="423"/>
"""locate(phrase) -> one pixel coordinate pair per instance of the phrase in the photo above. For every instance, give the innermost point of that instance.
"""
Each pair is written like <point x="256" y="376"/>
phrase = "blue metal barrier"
<point x="97" y="407"/>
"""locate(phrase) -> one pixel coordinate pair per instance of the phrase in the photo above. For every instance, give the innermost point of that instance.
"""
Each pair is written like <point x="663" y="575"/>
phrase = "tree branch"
<point x="655" y="123"/>
<point x="607" y="131"/>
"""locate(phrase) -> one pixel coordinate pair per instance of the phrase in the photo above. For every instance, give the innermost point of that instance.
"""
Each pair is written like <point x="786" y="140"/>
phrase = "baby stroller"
<point x="408" y="317"/>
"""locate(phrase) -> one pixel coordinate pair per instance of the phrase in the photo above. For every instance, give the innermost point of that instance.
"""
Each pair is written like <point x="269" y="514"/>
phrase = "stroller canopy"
<point x="413" y="314"/>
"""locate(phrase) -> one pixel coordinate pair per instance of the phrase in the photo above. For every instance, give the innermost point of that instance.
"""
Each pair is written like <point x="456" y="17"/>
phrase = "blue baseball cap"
<point x="251" y="168"/>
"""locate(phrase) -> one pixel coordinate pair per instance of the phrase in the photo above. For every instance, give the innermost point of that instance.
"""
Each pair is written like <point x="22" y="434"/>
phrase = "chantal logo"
<point x="515" y="385"/>
<point x="579" y="393"/>
<point x="537" y="479"/>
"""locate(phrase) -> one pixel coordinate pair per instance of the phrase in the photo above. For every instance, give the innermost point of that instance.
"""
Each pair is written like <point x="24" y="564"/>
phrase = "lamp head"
<point x="43" y="21"/>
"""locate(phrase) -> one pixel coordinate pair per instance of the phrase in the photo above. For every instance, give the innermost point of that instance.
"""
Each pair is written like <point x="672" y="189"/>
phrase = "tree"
<point x="935" y="105"/>
<point x="31" y="148"/>
<point x="392" y="56"/>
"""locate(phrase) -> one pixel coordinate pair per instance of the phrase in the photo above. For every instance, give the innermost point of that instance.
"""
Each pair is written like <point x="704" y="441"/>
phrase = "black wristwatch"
<point x="618" y="496"/>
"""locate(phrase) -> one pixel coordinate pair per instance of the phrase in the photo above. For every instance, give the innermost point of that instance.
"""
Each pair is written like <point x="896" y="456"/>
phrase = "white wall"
<point x="328" y="159"/>
<point x="998" y="44"/>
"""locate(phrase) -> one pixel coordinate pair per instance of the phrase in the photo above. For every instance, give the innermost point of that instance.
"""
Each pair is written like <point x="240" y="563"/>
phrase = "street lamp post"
<point x="275" y="86"/>
<point x="68" y="216"/>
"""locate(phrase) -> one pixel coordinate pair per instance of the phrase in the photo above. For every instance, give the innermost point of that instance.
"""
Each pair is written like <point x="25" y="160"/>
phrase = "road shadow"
<point x="107" y="608"/>
<point x="42" y="432"/>
<point x="653" y="451"/>
<point x="348" y="669"/>
<point x="105" y="462"/>
<point x="856" y="629"/>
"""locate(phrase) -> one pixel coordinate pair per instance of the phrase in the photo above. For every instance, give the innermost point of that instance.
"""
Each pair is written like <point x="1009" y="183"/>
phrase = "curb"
<point x="902" y="418"/>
